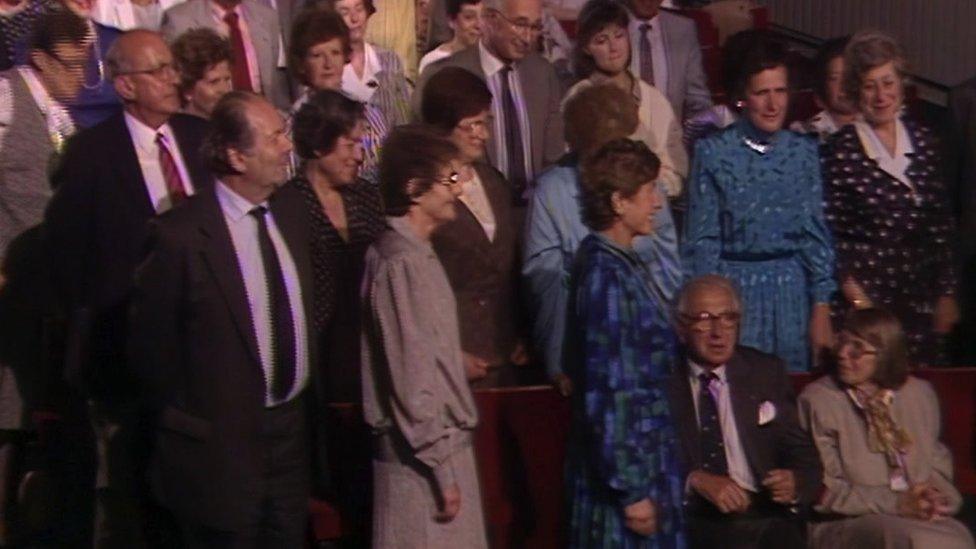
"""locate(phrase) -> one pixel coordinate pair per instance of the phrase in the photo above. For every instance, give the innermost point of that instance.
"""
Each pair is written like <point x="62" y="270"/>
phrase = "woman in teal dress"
<point x="755" y="216"/>
<point x="623" y="482"/>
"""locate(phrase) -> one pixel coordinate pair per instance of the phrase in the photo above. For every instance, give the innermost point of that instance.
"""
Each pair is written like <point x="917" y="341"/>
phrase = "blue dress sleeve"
<point x="702" y="244"/>
<point x="607" y="313"/>
<point x="817" y="253"/>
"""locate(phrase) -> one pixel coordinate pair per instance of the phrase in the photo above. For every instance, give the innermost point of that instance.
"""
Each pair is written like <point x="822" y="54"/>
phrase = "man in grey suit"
<point x="527" y="132"/>
<point x="254" y="31"/>
<point x="666" y="54"/>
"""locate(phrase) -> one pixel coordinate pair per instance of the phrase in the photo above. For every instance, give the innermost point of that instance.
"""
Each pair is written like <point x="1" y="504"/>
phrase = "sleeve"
<point x="698" y="97"/>
<point x="840" y="211"/>
<point x="659" y="251"/>
<point x="7" y="226"/>
<point x="702" y="232"/>
<point x="554" y="146"/>
<point x="169" y="28"/>
<point x="612" y="400"/>
<point x="942" y="231"/>
<point x="674" y="161"/>
<point x="817" y="254"/>
<point x="840" y="496"/>
<point x="796" y="449"/>
<point x="153" y="316"/>
<point x="545" y="280"/>
<point x="942" y="471"/>
<point x="416" y="399"/>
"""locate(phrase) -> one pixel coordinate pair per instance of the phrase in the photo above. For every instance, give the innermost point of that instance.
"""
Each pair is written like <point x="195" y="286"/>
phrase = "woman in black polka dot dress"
<point x="887" y="203"/>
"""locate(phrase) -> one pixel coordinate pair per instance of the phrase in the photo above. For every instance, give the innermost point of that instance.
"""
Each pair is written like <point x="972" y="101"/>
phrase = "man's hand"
<point x="728" y="496"/>
<point x="641" y="517"/>
<point x="563" y="384"/>
<point x="781" y="484"/>
<point x="474" y="367"/>
<point x="946" y="315"/>
<point x="520" y="354"/>
<point x="449" y="504"/>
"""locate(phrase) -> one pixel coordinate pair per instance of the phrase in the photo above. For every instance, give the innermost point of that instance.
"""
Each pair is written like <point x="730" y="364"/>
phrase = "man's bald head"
<point x="129" y="48"/>
<point x="140" y="65"/>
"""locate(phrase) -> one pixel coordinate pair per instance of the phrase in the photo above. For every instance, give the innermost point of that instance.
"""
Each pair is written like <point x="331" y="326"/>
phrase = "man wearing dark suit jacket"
<point x="219" y="335"/>
<point x="112" y="179"/>
<point x="750" y="469"/>
<point x="527" y="133"/>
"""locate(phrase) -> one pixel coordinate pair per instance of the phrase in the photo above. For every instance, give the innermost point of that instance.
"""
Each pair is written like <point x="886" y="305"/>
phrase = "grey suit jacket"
<point x="687" y="88"/>
<point x="264" y="27"/>
<point x="543" y="94"/>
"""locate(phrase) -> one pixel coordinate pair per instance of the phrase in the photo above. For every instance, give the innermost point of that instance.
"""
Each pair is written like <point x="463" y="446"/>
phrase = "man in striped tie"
<point x="112" y="179"/>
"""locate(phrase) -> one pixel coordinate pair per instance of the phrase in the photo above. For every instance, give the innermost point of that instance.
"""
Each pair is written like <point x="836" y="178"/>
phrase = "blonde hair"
<point x="867" y="50"/>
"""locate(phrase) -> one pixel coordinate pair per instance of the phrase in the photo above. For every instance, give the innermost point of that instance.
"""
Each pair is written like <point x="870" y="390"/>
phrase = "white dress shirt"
<point x="362" y="89"/>
<point x="252" y="57"/>
<point x="659" y="53"/>
<point x="735" y="455"/>
<point x="244" y="235"/>
<point x="492" y="67"/>
<point x="144" y="139"/>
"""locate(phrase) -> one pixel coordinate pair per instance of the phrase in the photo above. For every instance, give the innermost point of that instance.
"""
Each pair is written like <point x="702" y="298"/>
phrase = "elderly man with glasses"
<point x="749" y="469"/>
<point x="527" y="125"/>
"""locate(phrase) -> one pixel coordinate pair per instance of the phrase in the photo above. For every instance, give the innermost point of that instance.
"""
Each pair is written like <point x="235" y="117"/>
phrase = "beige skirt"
<point x="890" y="532"/>
<point x="404" y="506"/>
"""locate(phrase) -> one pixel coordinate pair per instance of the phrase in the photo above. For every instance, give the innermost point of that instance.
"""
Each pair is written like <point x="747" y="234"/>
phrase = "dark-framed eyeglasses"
<point x="521" y="26"/>
<point x="704" y="321"/>
<point x="855" y="348"/>
<point x="70" y="64"/>
<point x="158" y="72"/>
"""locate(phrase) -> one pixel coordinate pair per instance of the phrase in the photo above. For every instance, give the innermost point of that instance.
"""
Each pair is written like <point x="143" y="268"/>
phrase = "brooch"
<point x="758" y="146"/>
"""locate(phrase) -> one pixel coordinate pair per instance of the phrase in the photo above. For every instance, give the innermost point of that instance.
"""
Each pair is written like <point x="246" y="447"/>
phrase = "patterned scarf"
<point x="884" y="434"/>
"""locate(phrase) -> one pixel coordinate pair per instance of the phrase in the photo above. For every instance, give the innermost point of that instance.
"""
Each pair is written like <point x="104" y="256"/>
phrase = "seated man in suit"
<point x="219" y="331"/>
<point x="527" y="132"/>
<point x="112" y="179"/>
<point x="255" y="36"/>
<point x="666" y="54"/>
<point x="750" y="469"/>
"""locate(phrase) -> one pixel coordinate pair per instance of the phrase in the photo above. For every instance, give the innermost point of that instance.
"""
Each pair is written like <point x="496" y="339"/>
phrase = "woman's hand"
<point x="855" y="294"/>
<point x="563" y="384"/>
<point x="449" y="504"/>
<point x="946" y="314"/>
<point x="641" y="517"/>
<point x="821" y="332"/>
<point x="474" y="367"/>
<point x="915" y="504"/>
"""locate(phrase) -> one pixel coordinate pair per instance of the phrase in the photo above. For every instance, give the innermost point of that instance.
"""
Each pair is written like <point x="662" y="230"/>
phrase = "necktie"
<point x="712" y="445"/>
<point x="513" y="139"/>
<point x="646" y="58"/>
<point x="240" y="72"/>
<point x="171" y="175"/>
<point x="282" y="327"/>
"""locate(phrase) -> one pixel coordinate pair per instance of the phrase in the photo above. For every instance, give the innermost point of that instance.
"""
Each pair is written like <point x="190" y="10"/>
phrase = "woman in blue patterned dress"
<point x="623" y="481"/>
<point x="755" y="216"/>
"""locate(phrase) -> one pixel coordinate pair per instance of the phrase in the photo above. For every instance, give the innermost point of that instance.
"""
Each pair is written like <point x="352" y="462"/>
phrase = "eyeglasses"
<point x="704" y="321"/>
<point x="521" y="26"/>
<point x="159" y="72"/>
<point x="73" y="64"/>
<point x="451" y="180"/>
<point x="855" y="347"/>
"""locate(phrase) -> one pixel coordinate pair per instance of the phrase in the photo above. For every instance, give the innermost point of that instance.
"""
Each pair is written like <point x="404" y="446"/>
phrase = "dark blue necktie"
<point x="513" y="139"/>
<point x="710" y="433"/>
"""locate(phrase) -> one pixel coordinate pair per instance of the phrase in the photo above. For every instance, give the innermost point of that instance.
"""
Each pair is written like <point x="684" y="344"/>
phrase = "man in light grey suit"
<point x="666" y="54"/>
<point x="527" y="132"/>
<point x="261" y="40"/>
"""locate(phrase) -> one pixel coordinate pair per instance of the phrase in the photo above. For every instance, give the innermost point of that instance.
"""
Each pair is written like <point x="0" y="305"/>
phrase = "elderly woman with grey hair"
<point x="886" y="202"/>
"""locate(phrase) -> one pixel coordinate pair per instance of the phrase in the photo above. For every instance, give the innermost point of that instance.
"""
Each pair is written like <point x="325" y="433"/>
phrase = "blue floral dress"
<point x="622" y="448"/>
<point x="757" y="219"/>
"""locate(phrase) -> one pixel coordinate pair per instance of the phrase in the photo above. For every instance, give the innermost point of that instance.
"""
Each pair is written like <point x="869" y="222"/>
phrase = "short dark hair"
<point x="322" y="120"/>
<point x="454" y="7"/>
<point x="883" y="330"/>
<point x="229" y="128"/>
<point x="622" y="166"/>
<point x="59" y="26"/>
<point x="411" y="153"/>
<point x="314" y="26"/>
<point x="451" y="95"/>
<point x="747" y="54"/>
<point x="595" y="16"/>
<point x="828" y="51"/>
<point x="195" y="52"/>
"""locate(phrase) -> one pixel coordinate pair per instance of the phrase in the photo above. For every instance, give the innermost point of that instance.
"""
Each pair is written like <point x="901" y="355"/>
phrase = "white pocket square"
<point x="767" y="412"/>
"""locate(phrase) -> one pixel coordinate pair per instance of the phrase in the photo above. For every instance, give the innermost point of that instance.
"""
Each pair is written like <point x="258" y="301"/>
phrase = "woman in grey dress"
<point x="415" y="394"/>
<point x="887" y="477"/>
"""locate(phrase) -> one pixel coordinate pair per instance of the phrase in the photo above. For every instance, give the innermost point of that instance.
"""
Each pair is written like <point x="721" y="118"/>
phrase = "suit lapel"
<point x="683" y="411"/>
<point x="745" y="407"/>
<point x="290" y="218"/>
<point x="263" y="46"/>
<point x="222" y="260"/>
<point x="668" y="40"/>
<point x="130" y="172"/>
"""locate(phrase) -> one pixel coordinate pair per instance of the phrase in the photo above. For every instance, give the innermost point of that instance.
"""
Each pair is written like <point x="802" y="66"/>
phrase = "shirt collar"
<point x="490" y="64"/>
<point x="234" y="206"/>
<point x="635" y="23"/>
<point x="694" y="370"/>
<point x="219" y="11"/>
<point x="406" y="230"/>
<point x="903" y="144"/>
<point x="144" y="137"/>
<point x="37" y="89"/>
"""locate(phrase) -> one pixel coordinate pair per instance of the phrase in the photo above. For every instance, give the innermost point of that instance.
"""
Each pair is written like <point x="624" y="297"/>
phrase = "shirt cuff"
<point x="444" y="473"/>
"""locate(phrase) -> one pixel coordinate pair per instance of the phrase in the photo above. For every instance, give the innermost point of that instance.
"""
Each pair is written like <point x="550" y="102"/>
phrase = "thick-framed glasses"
<point x="451" y="180"/>
<point x="854" y="348"/>
<point x="69" y="64"/>
<point x="159" y="72"/>
<point x="704" y="321"/>
<point x="521" y="26"/>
